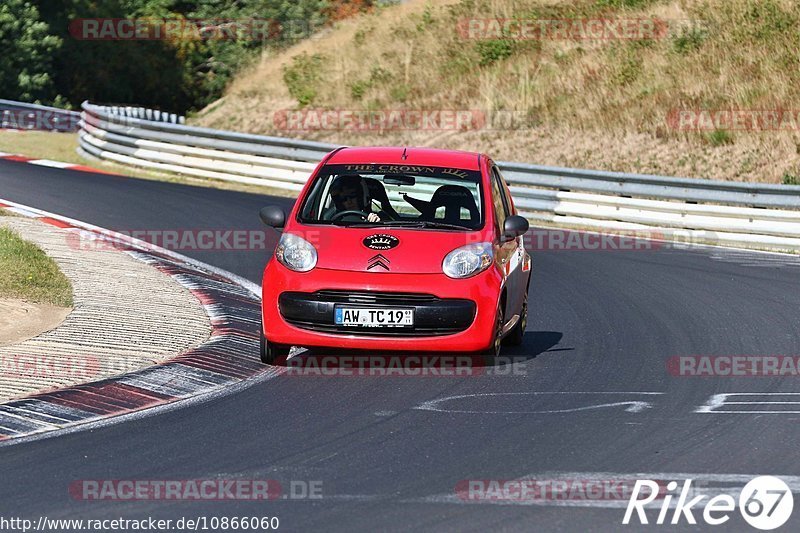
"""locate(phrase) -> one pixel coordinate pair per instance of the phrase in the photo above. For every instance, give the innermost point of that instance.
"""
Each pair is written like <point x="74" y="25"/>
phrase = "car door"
<point x="523" y="259"/>
<point x="508" y="253"/>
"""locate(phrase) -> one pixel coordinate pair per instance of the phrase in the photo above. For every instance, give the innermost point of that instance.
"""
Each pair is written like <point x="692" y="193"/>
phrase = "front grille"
<point x="432" y="315"/>
<point x="367" y="297"/>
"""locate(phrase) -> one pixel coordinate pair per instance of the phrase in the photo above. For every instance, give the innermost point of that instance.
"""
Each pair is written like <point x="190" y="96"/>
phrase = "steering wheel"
<point x="356" y="212"/>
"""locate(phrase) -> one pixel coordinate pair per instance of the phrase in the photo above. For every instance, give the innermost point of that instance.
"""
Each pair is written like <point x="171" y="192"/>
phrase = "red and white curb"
<point x="52" y="164"/>
<point x="227" y="359"/>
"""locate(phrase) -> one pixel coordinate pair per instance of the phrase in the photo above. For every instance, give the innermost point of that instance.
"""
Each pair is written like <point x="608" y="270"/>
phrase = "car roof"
<point x="400" y="155"/>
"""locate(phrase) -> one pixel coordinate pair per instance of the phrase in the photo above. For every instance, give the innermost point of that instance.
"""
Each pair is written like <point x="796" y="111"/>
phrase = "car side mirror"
<point x="514" y="226"/>
<point x="272" y="215"/>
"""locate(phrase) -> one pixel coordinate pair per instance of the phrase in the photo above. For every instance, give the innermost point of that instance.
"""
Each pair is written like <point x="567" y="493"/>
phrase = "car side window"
<point x="506" y="193"/>
<point x="313" y="206"/>
<point x="499" y="200"/>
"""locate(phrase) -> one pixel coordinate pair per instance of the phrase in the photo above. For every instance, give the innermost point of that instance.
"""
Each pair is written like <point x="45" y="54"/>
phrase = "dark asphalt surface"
<point x="602" y="321"/>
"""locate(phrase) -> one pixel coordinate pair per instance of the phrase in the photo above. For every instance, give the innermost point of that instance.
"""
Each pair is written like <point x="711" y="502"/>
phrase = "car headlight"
<point x="468" y="260"/>
<point x="296" y="253"/>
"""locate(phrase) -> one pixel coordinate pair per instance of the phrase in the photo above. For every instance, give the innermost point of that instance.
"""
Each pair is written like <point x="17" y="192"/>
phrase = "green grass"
<point x="719" y="138"/>
<point x="26" y="272"/>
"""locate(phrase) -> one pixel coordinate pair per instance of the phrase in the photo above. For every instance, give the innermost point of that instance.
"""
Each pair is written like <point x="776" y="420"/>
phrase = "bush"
<point x="427" y="19"/>
<point x="791" y="179"/>
<point x="359" y="88"/>
<point x="690" y="40"/>
<point x="493" y="51"/>
<point x="302" y="76"/>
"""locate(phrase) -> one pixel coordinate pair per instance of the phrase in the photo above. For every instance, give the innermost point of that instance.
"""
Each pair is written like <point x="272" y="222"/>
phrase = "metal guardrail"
<point x="24" y="116"/>
<point x="143" y="113"/>
<point x="730" y="213"/>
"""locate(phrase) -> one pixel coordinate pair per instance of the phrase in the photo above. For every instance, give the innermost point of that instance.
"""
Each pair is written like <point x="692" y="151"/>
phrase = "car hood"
<point x="416" y="251"/>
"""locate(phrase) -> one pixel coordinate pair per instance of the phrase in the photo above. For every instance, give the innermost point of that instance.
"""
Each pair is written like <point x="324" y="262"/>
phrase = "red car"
<point x="397" y="249"/>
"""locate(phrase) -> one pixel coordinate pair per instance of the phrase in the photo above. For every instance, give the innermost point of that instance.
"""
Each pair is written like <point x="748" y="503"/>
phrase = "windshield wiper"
<point x="355" y="223"/>
<point x="424" y="224"/>
<point x="397" y="224"/>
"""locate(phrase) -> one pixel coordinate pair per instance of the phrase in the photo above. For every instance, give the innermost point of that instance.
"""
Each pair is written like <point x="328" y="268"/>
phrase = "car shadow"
<point x="535" y="343"/>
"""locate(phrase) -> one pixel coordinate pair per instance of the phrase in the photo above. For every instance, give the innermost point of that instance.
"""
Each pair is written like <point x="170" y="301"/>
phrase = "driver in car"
<point x="350" y="193"/>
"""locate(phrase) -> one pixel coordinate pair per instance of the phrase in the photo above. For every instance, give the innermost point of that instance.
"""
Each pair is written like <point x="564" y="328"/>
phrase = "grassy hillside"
<point x="578" y="102"/>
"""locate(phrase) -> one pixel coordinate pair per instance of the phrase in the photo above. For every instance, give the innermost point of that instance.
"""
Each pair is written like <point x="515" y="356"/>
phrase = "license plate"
<point x="359" y="316"/>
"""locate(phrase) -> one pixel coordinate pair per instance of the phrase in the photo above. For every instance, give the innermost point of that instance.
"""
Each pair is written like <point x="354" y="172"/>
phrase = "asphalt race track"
<point x="388" y="454"/>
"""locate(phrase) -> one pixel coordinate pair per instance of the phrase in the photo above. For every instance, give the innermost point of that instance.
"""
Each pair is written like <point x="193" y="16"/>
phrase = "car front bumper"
<point x="450" y="315"/>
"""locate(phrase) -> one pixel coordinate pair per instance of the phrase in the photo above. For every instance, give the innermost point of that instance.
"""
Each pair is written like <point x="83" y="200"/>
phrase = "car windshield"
<point x="395" y="195"/>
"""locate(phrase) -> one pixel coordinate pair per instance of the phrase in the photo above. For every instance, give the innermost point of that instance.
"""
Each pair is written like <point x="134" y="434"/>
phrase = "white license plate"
<point x="359" y="316"/>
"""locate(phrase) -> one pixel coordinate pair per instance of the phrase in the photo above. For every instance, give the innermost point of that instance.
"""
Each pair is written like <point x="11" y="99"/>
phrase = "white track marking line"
<point x="634" y="406"/>
<point x="51" y="163"/>
<point x="717" y="401"/>
<point x="23" y="212"/>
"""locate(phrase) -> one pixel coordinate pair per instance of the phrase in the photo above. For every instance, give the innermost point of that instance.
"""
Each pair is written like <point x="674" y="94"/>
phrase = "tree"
<point x="27" y="51"/>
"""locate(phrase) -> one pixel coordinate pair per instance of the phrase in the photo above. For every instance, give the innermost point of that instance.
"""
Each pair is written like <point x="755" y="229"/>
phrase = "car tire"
<point x="494" y="349"/>
<point x="271" y="352"/>
<point x="517" y="334"/>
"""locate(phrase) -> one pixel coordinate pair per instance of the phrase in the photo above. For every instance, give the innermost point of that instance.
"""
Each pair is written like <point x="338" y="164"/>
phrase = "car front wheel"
<point x="271" y="352"/>
<point x="517" y="334"/>
<point x="494" y="349"/>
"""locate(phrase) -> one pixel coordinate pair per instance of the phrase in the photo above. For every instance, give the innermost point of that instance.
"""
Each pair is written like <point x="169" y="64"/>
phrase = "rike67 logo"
<point x="765" y="503"/>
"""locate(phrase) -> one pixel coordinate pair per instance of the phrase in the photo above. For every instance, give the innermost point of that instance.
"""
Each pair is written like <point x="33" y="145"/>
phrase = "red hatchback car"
<point x="397" y="249"/>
